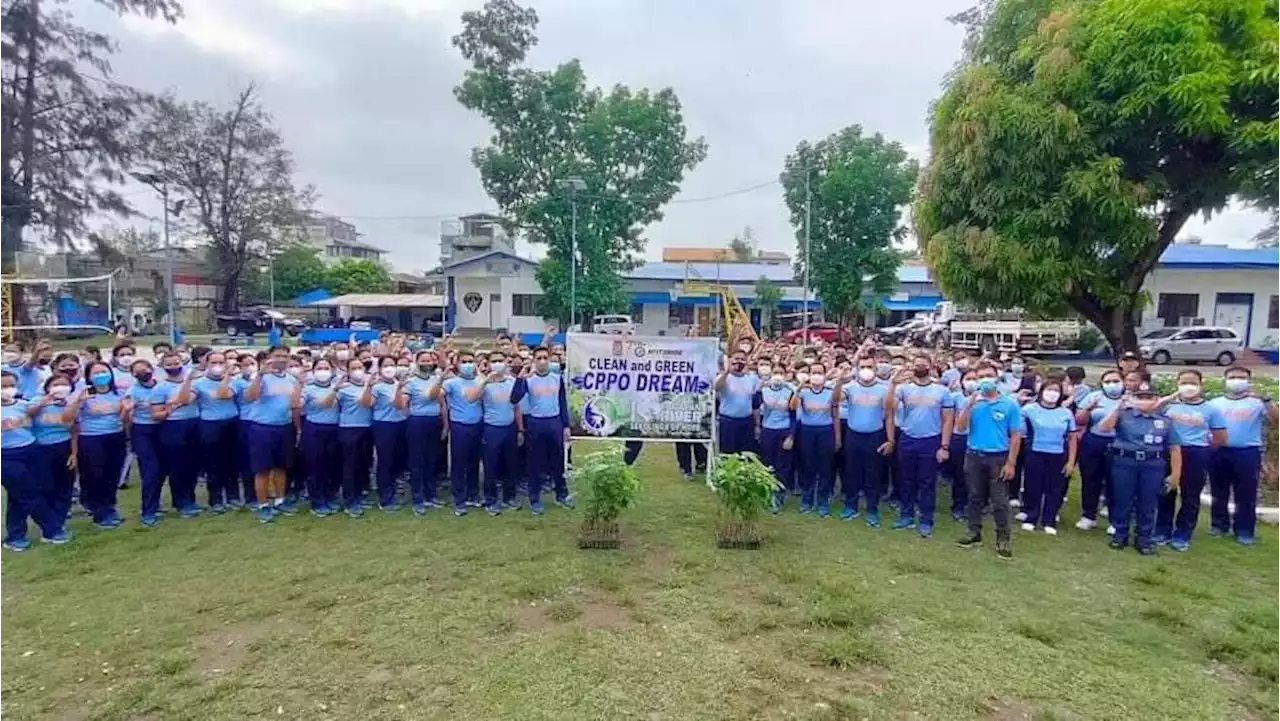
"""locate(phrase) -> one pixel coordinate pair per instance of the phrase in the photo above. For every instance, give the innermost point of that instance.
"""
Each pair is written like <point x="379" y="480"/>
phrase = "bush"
<point x="1090" y="339"/>
<point x="606" y="484"/>
<point x="744" y="485"/>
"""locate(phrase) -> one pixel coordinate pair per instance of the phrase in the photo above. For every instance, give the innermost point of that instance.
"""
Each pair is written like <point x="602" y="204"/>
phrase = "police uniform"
<point x="1138" y="460"/>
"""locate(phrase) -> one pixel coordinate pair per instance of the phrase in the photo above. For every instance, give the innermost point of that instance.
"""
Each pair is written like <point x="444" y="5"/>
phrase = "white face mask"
<point x="387" y="372"/>
<point x="817" y="379"/>
<point x="764" y="371"/>
<point x="60" y="392"/>
<point x="1237" y="385"/>
<point x="1051" y="397"/>
<point x="344" y="355"/>
<point x="1189" y="390"/>
<point x="402" y="371"/>
<point x="866" y="375"/>
<point x="356" y="376"/>
<point x="124" y="361"/>
<point x="323" y="375"/>
<point x="8" y="394"/>
<point x="11" y="358"/>
<point x="216" y="370"/>
<point x="777" y="379"/>
<point x="249" y="371"/>
<point x="802" y="377"/>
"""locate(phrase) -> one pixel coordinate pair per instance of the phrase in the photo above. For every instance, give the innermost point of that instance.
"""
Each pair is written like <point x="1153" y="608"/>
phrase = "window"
<point x="680" y="315"/>
<point x="1225" y="333"/>
<point x="1273" y="315"/>
<point x="1173" y="306"/>
<point x="1194" y="335"/>
<point x="637" y="312"/>
<point x="525" y="304"/>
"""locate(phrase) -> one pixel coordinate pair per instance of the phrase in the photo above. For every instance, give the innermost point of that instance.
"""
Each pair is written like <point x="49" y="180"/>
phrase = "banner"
<point x="641" y="387"/>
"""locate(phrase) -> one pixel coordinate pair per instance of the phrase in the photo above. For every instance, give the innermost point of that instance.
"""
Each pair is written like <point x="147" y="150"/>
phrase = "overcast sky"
<point x="362" y="90"/>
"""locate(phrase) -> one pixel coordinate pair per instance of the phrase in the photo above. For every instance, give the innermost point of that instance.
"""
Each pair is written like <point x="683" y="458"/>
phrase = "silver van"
<point x="1201" y="343"/>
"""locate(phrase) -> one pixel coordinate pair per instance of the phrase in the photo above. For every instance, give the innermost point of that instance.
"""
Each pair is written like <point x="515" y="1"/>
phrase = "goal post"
<point x="53" y="305"/>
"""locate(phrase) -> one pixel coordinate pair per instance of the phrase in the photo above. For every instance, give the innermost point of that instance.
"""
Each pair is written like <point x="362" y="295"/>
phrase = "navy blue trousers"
<point x="737" y="435"/>
<point x="218" y="444"/>
<point x="691" y="457"/>
<point x="1180" y="522"/>
<point x="100" y="460"/>
<point x="773" y="455"/>
<point x="353" y="444"/>
<point x="817" y="446"/>
<point x="1095" y="473"/>
<point x="465" y="440"/>
<point x="954" y="469"/>
<point x="179" y="441"/>
<point x="1234" y="472"/>
<point x="243" y="466"/>
<point x="1135" y="491"/>
<point x="544" y="454"/>
<point x="62" y="480"/>
<point x="918" y="475"/>
<point x="388" y="440"/>
<point x="322" y="460"/>
<point x="151" y="467"/>
<point x="499" y="452"/>
<point x="425" y="450"/>
<point x="24" y="479"/>
<point x="1044" y="488"/>
<point x="863" y="468"/>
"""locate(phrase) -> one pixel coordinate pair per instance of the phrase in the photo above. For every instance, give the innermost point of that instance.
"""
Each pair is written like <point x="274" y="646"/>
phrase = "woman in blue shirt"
<point x="390" y="411"/>
<point x="1238" y="462"/>
<point x="180" y="435"/>
<point x="355" y="415"/>
<point x="146" y="401"/>
<point x="56" y="440"/>
<point x="426" y="433"/>
<point x="219" y="431"/>
<point x="1201" y="428"/>
<point x="21" y="472"/>
<point x="1050" y="459"/>
<point x="318" y="401"/>
<point x="776" y="426"/>
<point x="1094" y="446"/>
<point x="815" y="440"/>
<point x="99" y="410"/>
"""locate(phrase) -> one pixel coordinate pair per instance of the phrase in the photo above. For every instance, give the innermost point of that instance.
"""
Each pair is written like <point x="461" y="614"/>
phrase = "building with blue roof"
<point x="1218" y="285"/>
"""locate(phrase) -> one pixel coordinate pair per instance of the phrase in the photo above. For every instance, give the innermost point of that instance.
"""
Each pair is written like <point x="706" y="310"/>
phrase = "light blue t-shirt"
<point x="1049" y="427"/>
<point x="991" y="422"/>
<point x="350" y="413"/>
<point x="1081" y="392"/>
<point x="144" y="398"/>
<point x="48" y="426"/>
<point x="735" y="397"/>
<point x="462" y="410"/>
<point x="17" y="426"/>
<point x="543" y="395"/>
<point x="1103" y="408"/>
<point x="275" y="401"/>
<point x="815" y="407"/>
<point x="211" y="407"/>
<point x="775" y="407"/>
<point x="922" y="407"/>
<point x="498" y="408"/>
<point x="100" y="414"/>
<point x="864" y="406"/>
<point x="950" y="376"/>
<point x="959" y="401"/>
<point x="384" y="407"/>
<point x="314" y="397"/>
<point x="248" y="410"/>
<point x="1193" y="421"/>
<point x="185" y="412"/>
<point x="1243" y="418"/>
<point x="419" y="405"/>
<point x="29" y="379"/>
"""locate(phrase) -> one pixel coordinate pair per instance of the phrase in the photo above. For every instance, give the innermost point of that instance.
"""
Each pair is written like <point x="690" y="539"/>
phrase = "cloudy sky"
<point x="362" y="92"/>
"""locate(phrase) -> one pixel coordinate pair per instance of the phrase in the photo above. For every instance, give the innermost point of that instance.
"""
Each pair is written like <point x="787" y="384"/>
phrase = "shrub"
<point x="744" y="485"/>
<point x="607" y="485"/>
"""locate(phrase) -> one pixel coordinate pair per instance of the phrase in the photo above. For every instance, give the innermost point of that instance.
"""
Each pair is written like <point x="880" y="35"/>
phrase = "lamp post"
<point x="808" y="259"/>
<point x="574" y="185"/>
<point x="161" y="184"/>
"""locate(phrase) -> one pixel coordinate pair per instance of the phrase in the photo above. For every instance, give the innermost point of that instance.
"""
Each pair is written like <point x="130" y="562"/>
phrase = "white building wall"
<point x="1261" y="283"/>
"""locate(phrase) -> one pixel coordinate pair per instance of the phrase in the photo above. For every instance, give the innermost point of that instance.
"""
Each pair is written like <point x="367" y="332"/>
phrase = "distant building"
<point x="678" y="254"/>
<point x="473" y="235"/>
<point x="337" y="240"/>
<point x="1198" y="284"/>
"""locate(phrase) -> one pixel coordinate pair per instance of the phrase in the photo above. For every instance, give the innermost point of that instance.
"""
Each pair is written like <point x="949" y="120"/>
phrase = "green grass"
<point x="478" y="618"/>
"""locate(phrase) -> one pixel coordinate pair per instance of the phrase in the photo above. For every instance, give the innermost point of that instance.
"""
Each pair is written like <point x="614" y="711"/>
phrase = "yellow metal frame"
<point x="6" y="312"/>
<point x="737" y="322"/>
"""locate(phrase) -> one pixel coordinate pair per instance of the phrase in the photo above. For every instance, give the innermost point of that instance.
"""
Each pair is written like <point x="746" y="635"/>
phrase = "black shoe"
<point x="1004" y="550"/>
<point x="1116" y="545"/>
<point x="970" y="541"/>
<point x="1147" y="550"/>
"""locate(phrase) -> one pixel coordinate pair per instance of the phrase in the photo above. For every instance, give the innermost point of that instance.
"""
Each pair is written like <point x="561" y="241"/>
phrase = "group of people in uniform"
<point x="346" y="426"/>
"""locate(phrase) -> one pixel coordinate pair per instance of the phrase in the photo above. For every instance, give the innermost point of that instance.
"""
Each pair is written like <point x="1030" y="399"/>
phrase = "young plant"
<point x="608" y="486"/>
<point x="745" y="487"/>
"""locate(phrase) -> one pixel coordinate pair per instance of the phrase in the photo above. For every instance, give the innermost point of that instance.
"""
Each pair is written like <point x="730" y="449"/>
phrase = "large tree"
<point x="629" y="148"/>
<point x="357" y="276"/>
<point x="856" y="188"/>
<point x="1078" y="136"/>
<point x="63" y="122"/>
<point x="232" y="166"/>
<point x="769" y="300"/>
<point x="294" y="269"/>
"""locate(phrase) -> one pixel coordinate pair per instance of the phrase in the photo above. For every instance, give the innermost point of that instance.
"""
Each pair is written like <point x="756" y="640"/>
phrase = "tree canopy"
<point x="357" y="276"/>
<point x="629" y="148"/>
<point x="768" y="298"/>
<point x="1076" y="139"/>
<point x="859" y="185"/>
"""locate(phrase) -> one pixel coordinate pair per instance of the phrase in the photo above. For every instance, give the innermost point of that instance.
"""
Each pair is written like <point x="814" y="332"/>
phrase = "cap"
<point x="1129" y="355"/>
<point x="1145" y="393"/>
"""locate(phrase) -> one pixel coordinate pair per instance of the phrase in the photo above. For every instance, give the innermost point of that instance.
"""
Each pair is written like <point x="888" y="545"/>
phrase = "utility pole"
<point x="808" y="259"/>
<point x="160" y="182"/>
<point x="574" y="185"/>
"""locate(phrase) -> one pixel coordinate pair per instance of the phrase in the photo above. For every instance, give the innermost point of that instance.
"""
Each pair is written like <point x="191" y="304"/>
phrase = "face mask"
<point x="467" y="370"/>
<point x="1188" y="390"/>
<point x="1237" y="385"/>
<point x="962" y="363"/>
<point x="8" y="394"/>
<point x="217" y="370"/>
<point x="1016" y="369"/>
<point x="866" y="375"/>
<point x="1051" y="397"/>
<point x="368" y="364"/>
<point x="764" y="371"/>
<point x="323" y="375"/>
<point x="343" y="355"/>
<point x="356" y="376"/>
<point x="970" y="386"/>
<point x="883" y="369"/>
<point x="920" y="372"/>
<point x="810" y="360"/>
<point x="185" y="357"/>
<point x="802" y="377"/>
<point x="124" y="361"/>
<point x="11" y="358"/>
<point x="737" y="366"/>
<point x="541" y="366"/>
<point x="817" y="379"/>
<point x="1113" y="389"/>
<point x="387" y="372"/>
<point x="174" y="372"/>
<point x="143" y="376"/>
<point x="744" y="347"/>
<point x="498" y="368"/>
<point x="554" y="366"/>
<point x="777" y="380"/>
<point x="296" y="371"/>
<point x="249" y="371"/>
<point x="278" y="365"/>
<point x="426" y="368"/>
<point x="100" y="379"/>
<point x="986" y="385"/>
<point x="70" y="371"/>
<point x="402" y="371"/>
<point x="60" y="392"/>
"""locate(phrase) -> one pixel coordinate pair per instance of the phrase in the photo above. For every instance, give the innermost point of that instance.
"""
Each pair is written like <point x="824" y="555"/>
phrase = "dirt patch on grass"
<point x="1007" y="709"/>
<point x="225" y="649"/>
<point x="592" y="614"/>
<point x="603" y="614"/>
<point x="531" y="617"/>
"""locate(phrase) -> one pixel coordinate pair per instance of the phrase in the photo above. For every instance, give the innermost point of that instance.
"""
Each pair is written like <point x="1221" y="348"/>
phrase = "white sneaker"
<point x="1111" y="530"/>
<point x="1028" y="527"/>
<point x="1015" y="503"/>
<point x="1104" y="512"/>
<point x="1086" y="524"/>
<point x="1050" y="531"/>
<point x="1020" y="517"/>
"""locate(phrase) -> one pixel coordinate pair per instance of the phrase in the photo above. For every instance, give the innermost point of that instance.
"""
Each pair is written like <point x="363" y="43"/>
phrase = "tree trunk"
<point x="230" y="291"/>
<point x="1116" y="323"/>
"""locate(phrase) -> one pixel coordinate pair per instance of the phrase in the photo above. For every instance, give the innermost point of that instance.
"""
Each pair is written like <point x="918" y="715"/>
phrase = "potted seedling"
<point x="608" y="486"/>
<point x="745" y="487"/>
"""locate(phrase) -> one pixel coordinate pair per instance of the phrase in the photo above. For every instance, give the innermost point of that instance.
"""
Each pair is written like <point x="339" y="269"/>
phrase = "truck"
<point x="1000" y="331"/>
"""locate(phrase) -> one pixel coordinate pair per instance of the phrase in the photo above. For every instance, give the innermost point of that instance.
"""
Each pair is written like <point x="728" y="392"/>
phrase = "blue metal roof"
<point x="746" y="272"/>
<point x="1209" y="256"/>
<point x="488" y="255"/>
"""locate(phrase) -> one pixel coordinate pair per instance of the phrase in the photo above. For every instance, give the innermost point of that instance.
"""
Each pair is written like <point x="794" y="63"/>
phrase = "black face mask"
<point x="69" y="372"/>
<point x="737" y="366"/>
<point x="921" y="372"/>
<point x="143" y="377"/>
<point x="368" y="365"/>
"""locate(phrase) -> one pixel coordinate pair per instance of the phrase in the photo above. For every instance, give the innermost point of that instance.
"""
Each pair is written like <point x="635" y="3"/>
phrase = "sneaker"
<point x="217" y="508"/>
<point x="1148" y="550"/>
<point x="1111" y="530"/>
<point x="235" y="504"/>
<point x="1217" y="532"/>
<point x="355" y="510"/>
<point x="475" y="504"/>
<point x="957" y="516"/>
<point x="873" y="519"/>
<point x="189" y="512"/>
<point x="1246" y="540"/>
<point x="493" y="509"/>
<point x="1104" y="512"/>
<point x="1027" y="526"/>
<point x="1086" y="524"/>
<point x="1160" y="539"/>
<point x="904" y="522"/>
<point x="511" y="505"/>
<point x="17" y="545"/>
<point x="1004" y="550"/>
<point x="432" y="504"/>
<point x="687" y="476"/>
<point x="1020" y="516"/>
<point x="1116" y="544"/>
<point x="775" y="505"/>
<point x="1180" y="545"/>
<point x="107" y="524"/>
<point x="1050" y="531"/>
<point x="286" y="509"/>
<point x="970" y="541"/>
<point x="1015" y="503"/>
<point x="419" y="509"/>
<point x="460" y="511"/>
<point x="389" y="508"/>
<point x="149" y="520"/>
<point x="320" y="511"/>
<point x="925" y="530"/>
<point x="536" y="508"/>
<point x="367" y="503"/>
<point x="805" y="508"/>
<point x="824" y="511"/>
<point x="848" y="513"/>
<point x="565" y="502"/>
<point x="265" y="515"/>
<point x="59" y="538"/>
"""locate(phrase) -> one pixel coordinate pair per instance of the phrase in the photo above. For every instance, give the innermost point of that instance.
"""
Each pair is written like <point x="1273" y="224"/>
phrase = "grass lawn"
<point x="478" y="618"/>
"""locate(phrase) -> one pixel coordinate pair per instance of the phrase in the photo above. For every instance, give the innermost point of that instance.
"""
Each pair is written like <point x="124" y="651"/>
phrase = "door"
<point x="704" y="316"/>
<point x="495" y="311"/>
<point x="1232" y="311"/>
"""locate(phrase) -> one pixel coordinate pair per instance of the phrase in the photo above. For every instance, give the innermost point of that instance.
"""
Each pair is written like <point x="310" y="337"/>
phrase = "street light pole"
<point x="808" y="259"/>
<point x="160" y="183"/>
<point x="574" y="185"/>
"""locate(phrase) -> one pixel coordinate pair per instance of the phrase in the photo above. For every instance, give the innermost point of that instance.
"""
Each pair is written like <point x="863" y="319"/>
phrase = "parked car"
<point x="898" y="333"/>
<point x="1219" y="344"/>
<point x="827" y="332"/>
<point x="369" y="322"/>
<point x="613" y="324"/>
<point x="251" y="321"/>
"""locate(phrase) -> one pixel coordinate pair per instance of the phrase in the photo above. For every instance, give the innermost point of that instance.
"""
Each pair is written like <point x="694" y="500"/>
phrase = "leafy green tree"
<point x="858" y="185"/>
<point x="743" y="246"/>
<point x="296" y="268"/>
<point x="357" y="276"/>
<point x="628" y="146"/>
<point x="1076" y="139"/>
<point x="768" y="299"/>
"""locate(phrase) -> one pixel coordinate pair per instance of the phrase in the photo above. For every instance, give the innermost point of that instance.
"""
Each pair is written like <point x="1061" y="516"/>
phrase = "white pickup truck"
<point x="1005" y="331"/>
